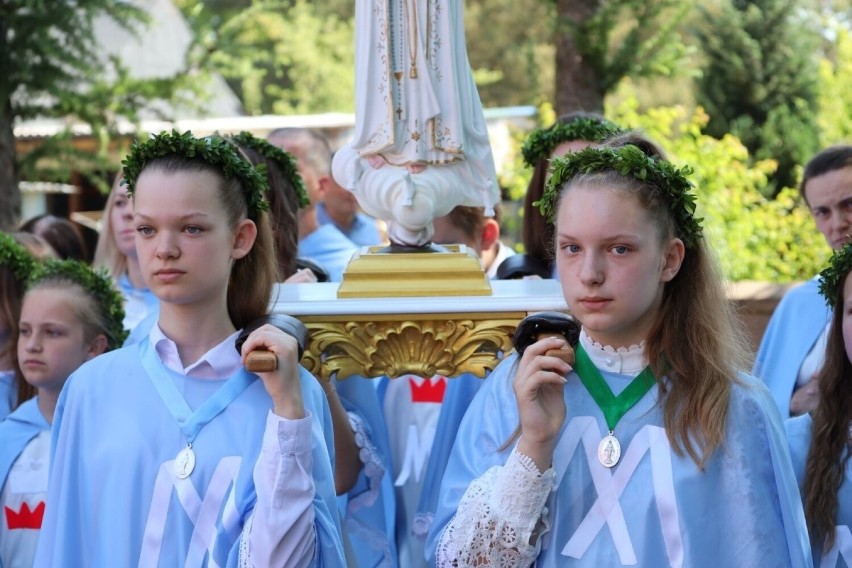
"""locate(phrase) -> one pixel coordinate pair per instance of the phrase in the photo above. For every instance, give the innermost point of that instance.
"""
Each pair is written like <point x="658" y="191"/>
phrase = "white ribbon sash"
<point x="610" y="485"/>
<point x="202" y="513"/>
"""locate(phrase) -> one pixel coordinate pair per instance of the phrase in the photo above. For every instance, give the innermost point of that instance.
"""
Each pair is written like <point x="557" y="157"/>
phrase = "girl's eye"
<point x="620" y="249"/>
<point x="53" y="333"/>
<point x="193" y="230"/>
<point x="571" y="248"/>
<point x="144" y="230"/>
<point x="24" y="332"/>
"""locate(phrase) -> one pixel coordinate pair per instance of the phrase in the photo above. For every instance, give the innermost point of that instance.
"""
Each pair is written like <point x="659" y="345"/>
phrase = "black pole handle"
<point x="261" y="360"/>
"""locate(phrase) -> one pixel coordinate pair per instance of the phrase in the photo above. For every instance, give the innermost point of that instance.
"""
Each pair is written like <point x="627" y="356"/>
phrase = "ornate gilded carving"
<point x="446" y="347"/>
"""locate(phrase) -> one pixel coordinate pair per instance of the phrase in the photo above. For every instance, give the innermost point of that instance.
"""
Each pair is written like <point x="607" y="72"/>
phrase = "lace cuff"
<point x="520" y="492"/>
<point x="374" y="469"/>
<point x="498" y="516"/>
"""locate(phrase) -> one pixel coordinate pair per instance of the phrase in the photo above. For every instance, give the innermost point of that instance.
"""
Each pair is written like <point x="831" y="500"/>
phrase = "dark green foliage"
<point x="542" y="141"/>
<point x="511" y="51"/>
<point x="46" y="48"/>
<point x="636" y="38"/>
<point x="833" y="276"/>
<point x="15" y="257"/>
<point x="759" y="81"/>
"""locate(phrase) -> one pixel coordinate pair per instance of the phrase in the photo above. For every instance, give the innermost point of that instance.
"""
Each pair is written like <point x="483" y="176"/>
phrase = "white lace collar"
<point x="623" y="360"/>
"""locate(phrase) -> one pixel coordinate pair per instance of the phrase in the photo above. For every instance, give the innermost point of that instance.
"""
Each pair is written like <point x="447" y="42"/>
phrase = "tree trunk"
<point x="577" y="85"/>
<point x="10" y="195"/>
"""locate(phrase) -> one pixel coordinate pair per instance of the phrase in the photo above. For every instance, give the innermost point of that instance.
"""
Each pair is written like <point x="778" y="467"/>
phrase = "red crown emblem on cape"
<point x="428" y="390"/>
<point x="25" y="518"/>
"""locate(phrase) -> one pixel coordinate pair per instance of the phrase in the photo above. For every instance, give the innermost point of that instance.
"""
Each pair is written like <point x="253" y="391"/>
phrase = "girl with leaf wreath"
<point x="69" y="315"/>
<point x="169" y="452"/>
<point x="654" y="448"/>
<point x="821" y="441"/>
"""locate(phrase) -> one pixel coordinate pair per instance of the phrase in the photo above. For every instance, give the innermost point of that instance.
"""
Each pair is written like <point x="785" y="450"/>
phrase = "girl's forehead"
<point x="176" y="192"/>
<point x="52" y="291"/>
<point x="161" y="176"/>
<point x="592" y="197"/>
<point x="58" y="302"/>
<point x="601" y="209"/>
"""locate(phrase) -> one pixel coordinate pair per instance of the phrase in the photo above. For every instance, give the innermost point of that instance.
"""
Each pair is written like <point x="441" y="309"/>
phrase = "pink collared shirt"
<point x="221" y="361"/>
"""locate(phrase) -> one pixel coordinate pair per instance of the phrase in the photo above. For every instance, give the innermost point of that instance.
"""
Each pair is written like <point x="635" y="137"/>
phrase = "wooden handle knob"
<point x="261" y="361"/>
<point x="566" y="353"/>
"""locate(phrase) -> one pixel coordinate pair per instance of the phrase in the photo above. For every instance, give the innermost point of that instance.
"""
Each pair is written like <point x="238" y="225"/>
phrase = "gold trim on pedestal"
<point x="443" y="344"/>
<point x="377" y="274"/>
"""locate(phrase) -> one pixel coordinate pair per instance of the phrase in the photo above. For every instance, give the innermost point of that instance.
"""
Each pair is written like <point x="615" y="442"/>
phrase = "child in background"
<point x="16" y="265"/>
<point x="821" y="442"/>
<point x="570" y="133"/>
<point x="64" y="236"/>
<point x="655" y="449"/>
<point x="169" y="452"/>
<point x="69" y="315"/>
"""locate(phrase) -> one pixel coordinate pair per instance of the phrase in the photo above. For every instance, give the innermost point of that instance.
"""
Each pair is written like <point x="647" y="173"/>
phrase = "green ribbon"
<point x="613" y="407"/>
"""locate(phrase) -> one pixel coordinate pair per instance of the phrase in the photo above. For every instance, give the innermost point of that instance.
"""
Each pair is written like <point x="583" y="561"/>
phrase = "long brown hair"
<point x="830" y="445"/>
<point x="537" y="232"/>
<point x="254" y="275"/>
<point x="697" y="340"/>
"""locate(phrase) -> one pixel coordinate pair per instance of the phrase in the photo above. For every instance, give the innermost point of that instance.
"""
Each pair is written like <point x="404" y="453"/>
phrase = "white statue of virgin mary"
<point x="420" y="146"/>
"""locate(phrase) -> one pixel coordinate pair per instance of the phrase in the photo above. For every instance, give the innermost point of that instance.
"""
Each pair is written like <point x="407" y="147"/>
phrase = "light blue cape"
<point x="799" y="438"/>
<point x="742" y="510"/>
<point x="112" y="435"/>
<point x="794" y="328"/>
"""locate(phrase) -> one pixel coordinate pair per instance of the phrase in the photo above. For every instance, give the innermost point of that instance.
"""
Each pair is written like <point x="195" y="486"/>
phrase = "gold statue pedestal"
<point x="384" y="332"/>
<point x="373" y="273"/>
